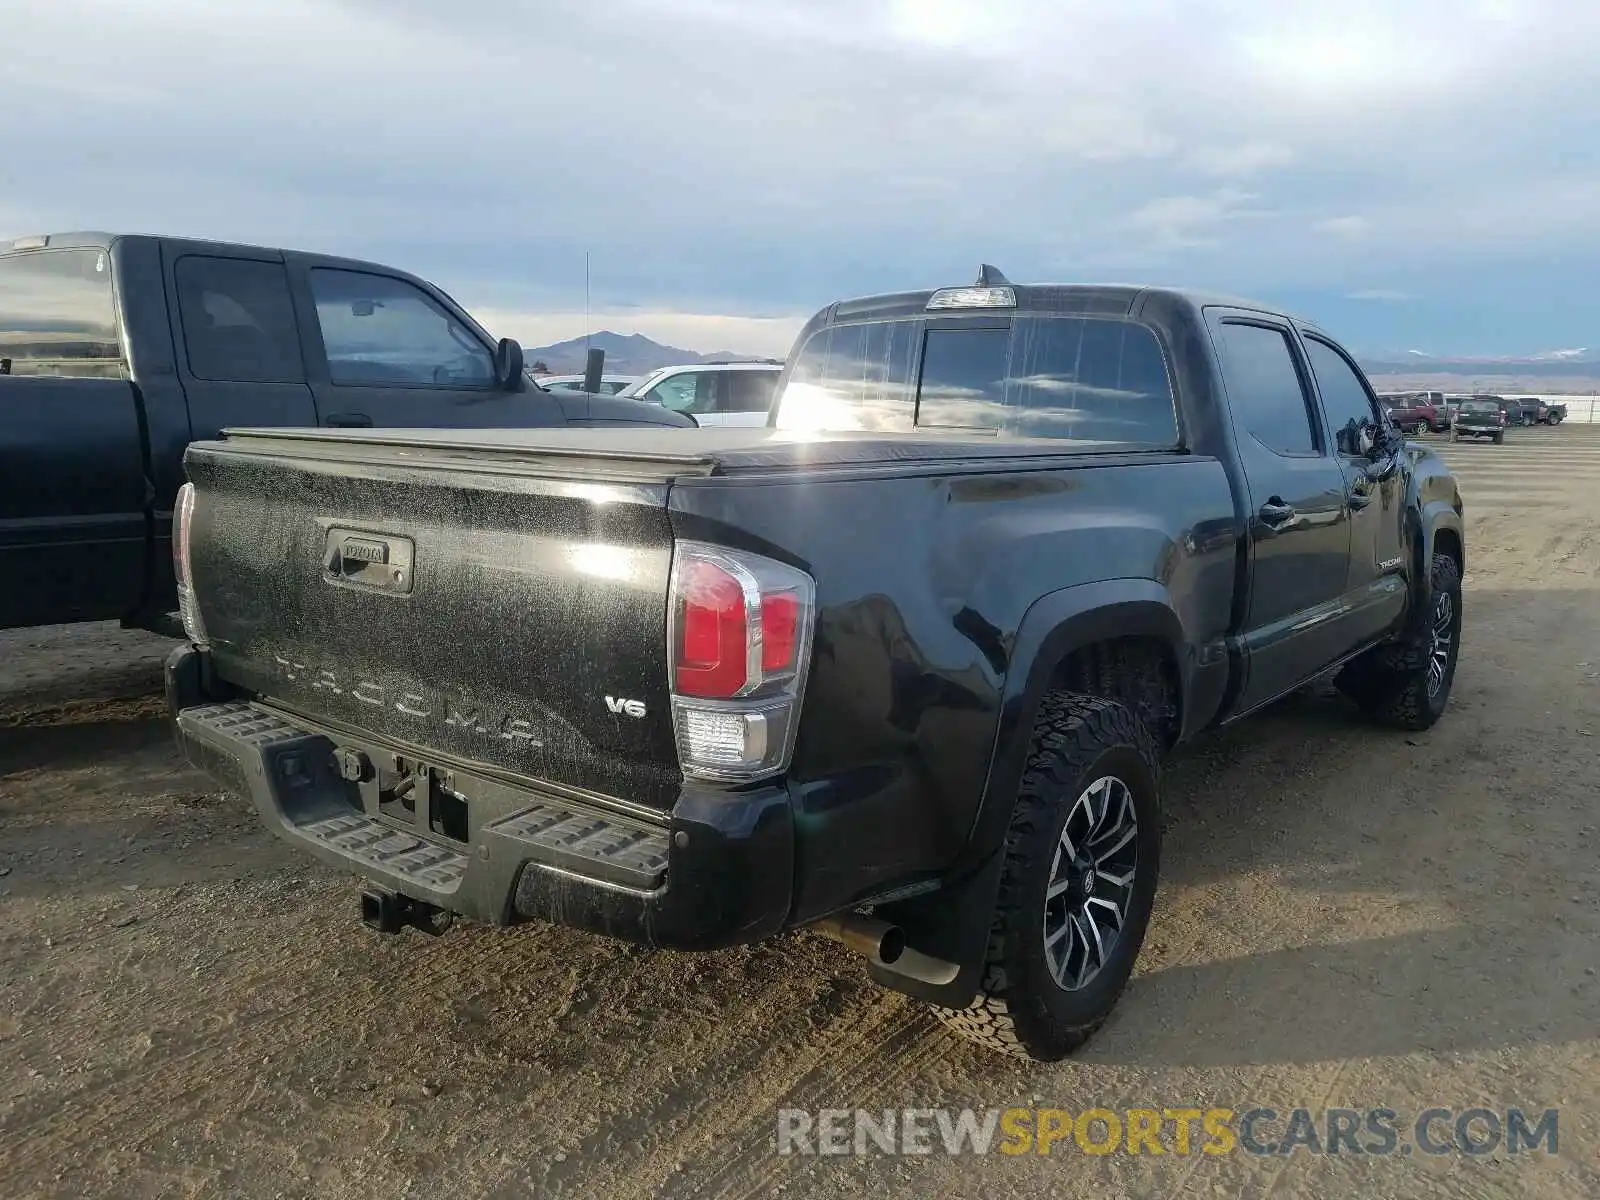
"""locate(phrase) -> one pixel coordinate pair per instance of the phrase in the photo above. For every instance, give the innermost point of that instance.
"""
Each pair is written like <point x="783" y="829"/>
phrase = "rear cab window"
<point x="1029" y="376"/>
<point x="58" y="314"/>
<point x="238" y="321"/>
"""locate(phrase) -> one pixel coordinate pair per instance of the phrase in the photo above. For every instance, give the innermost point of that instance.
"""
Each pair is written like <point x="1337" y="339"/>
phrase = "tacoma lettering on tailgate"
<point x="459" y="712"/>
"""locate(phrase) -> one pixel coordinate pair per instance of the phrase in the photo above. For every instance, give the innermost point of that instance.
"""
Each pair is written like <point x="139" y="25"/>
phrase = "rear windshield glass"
<point x="1087" y="379"/>
<point x="57" y="314"/>
<point x="1479" y="406"/>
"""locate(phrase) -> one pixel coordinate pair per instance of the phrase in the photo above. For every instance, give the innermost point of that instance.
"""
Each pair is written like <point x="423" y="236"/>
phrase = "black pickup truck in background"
<point x="116" y="351"/>
<point x="902" y="667"/>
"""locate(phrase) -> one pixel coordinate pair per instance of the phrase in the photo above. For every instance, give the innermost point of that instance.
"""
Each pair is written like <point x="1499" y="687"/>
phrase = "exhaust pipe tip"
<point x="891" y="945"/>
<point x="884" y="945"/>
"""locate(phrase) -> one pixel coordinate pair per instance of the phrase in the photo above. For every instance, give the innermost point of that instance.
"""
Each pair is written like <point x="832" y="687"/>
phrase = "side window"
<point x="1344" y="396"/>
<point x="963" y="379"/>
<point x="1266" y="394"/>
<point x="750" y="391"/>
<point x="378" y="329"/>
<point x="238" y="321"/>
<point x="58" y="315"/>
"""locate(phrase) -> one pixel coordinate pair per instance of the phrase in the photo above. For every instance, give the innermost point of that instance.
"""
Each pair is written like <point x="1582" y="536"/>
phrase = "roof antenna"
<point x="989" y="276"/>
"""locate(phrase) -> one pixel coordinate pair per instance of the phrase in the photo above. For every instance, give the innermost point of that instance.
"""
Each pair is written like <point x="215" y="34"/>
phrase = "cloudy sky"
<point x="1411" y="173"/>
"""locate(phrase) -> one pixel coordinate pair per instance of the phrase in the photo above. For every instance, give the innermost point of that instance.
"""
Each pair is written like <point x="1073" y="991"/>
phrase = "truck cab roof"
<point x="1089" y="299"/>
<point x="101" y="240"/>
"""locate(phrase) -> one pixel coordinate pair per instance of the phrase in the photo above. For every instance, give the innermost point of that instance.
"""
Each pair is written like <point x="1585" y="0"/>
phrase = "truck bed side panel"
<point x="923" y="583"/>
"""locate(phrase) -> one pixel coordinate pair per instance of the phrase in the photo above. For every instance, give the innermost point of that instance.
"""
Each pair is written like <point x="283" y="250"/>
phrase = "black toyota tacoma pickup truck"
<point x="902" y="666"/>
<point x="115" y="351"/>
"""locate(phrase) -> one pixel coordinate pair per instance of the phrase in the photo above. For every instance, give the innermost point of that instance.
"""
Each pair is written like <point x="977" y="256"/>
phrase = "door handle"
<point x="1276" y="513"/>
<point x="348" y="420"/>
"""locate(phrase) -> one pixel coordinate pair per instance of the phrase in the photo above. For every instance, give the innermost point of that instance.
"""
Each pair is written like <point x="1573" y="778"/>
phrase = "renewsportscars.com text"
<point x="1153" y="1131"/>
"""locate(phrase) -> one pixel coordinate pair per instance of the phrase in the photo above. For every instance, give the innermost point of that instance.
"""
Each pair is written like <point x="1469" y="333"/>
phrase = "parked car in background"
<point x="1511" y="408"/>
<point x="116" y="350"/>
<point x="1480" y="417"/>
<point x="1538" y="411"/>
<point x="610" y="385"/>
<point x="1414" y="415"/>
<point x="903" y="668"/>
<point x="725" y="394"/>
<point x="1532" y="410"/>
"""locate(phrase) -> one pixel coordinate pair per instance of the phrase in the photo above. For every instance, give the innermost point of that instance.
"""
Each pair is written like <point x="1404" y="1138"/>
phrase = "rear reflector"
<point x="739" y="637"/>
<point x="780" y="625"/>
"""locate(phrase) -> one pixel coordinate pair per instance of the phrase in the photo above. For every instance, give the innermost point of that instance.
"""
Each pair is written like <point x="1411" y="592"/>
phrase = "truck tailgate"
<point x="514" y="620"/>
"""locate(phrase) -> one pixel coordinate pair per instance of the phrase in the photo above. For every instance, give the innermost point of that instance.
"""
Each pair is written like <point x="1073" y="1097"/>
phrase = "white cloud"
<point x="1180" y="221"/>
<point x="727" y="157"/>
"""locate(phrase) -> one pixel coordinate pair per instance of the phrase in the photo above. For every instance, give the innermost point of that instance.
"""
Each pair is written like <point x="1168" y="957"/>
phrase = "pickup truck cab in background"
<point x="116" y="351"/>
<point x="901" y="667"/>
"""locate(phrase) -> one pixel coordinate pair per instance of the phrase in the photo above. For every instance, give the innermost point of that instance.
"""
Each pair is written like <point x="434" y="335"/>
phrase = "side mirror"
<point x="508" y="365"/>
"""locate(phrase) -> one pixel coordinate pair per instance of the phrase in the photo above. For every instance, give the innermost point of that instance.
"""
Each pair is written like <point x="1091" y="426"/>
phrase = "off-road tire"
<point x="1390" y="683"/>
<point x="1020" y="1010"/>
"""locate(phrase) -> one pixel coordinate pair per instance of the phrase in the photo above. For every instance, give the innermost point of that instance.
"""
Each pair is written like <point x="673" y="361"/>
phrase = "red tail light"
<point x="713" y="657"/>
<point x="739" y="634"/>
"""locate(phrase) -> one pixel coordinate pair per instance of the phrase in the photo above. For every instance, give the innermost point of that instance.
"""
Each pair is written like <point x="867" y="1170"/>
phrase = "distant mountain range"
<point x="1553" y="363"/>
<point x="1553" y="372"/>
<point x="626" y="354"/>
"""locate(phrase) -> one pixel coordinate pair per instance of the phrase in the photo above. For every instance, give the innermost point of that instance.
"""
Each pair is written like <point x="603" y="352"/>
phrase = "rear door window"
<point x="1265" y="391"/>
<point x="238" y="320"/>
<point x="58" y="314"/>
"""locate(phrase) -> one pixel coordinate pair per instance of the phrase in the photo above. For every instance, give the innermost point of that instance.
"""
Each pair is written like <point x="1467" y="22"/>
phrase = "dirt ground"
<point x="1348" y="917"/>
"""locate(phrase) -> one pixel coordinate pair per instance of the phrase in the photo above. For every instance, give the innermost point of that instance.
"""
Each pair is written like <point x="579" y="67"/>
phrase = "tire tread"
<point x="1071" y="730"/>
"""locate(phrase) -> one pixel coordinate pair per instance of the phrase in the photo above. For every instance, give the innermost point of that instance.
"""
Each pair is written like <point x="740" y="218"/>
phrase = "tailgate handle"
<point x="376" y="561"/>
